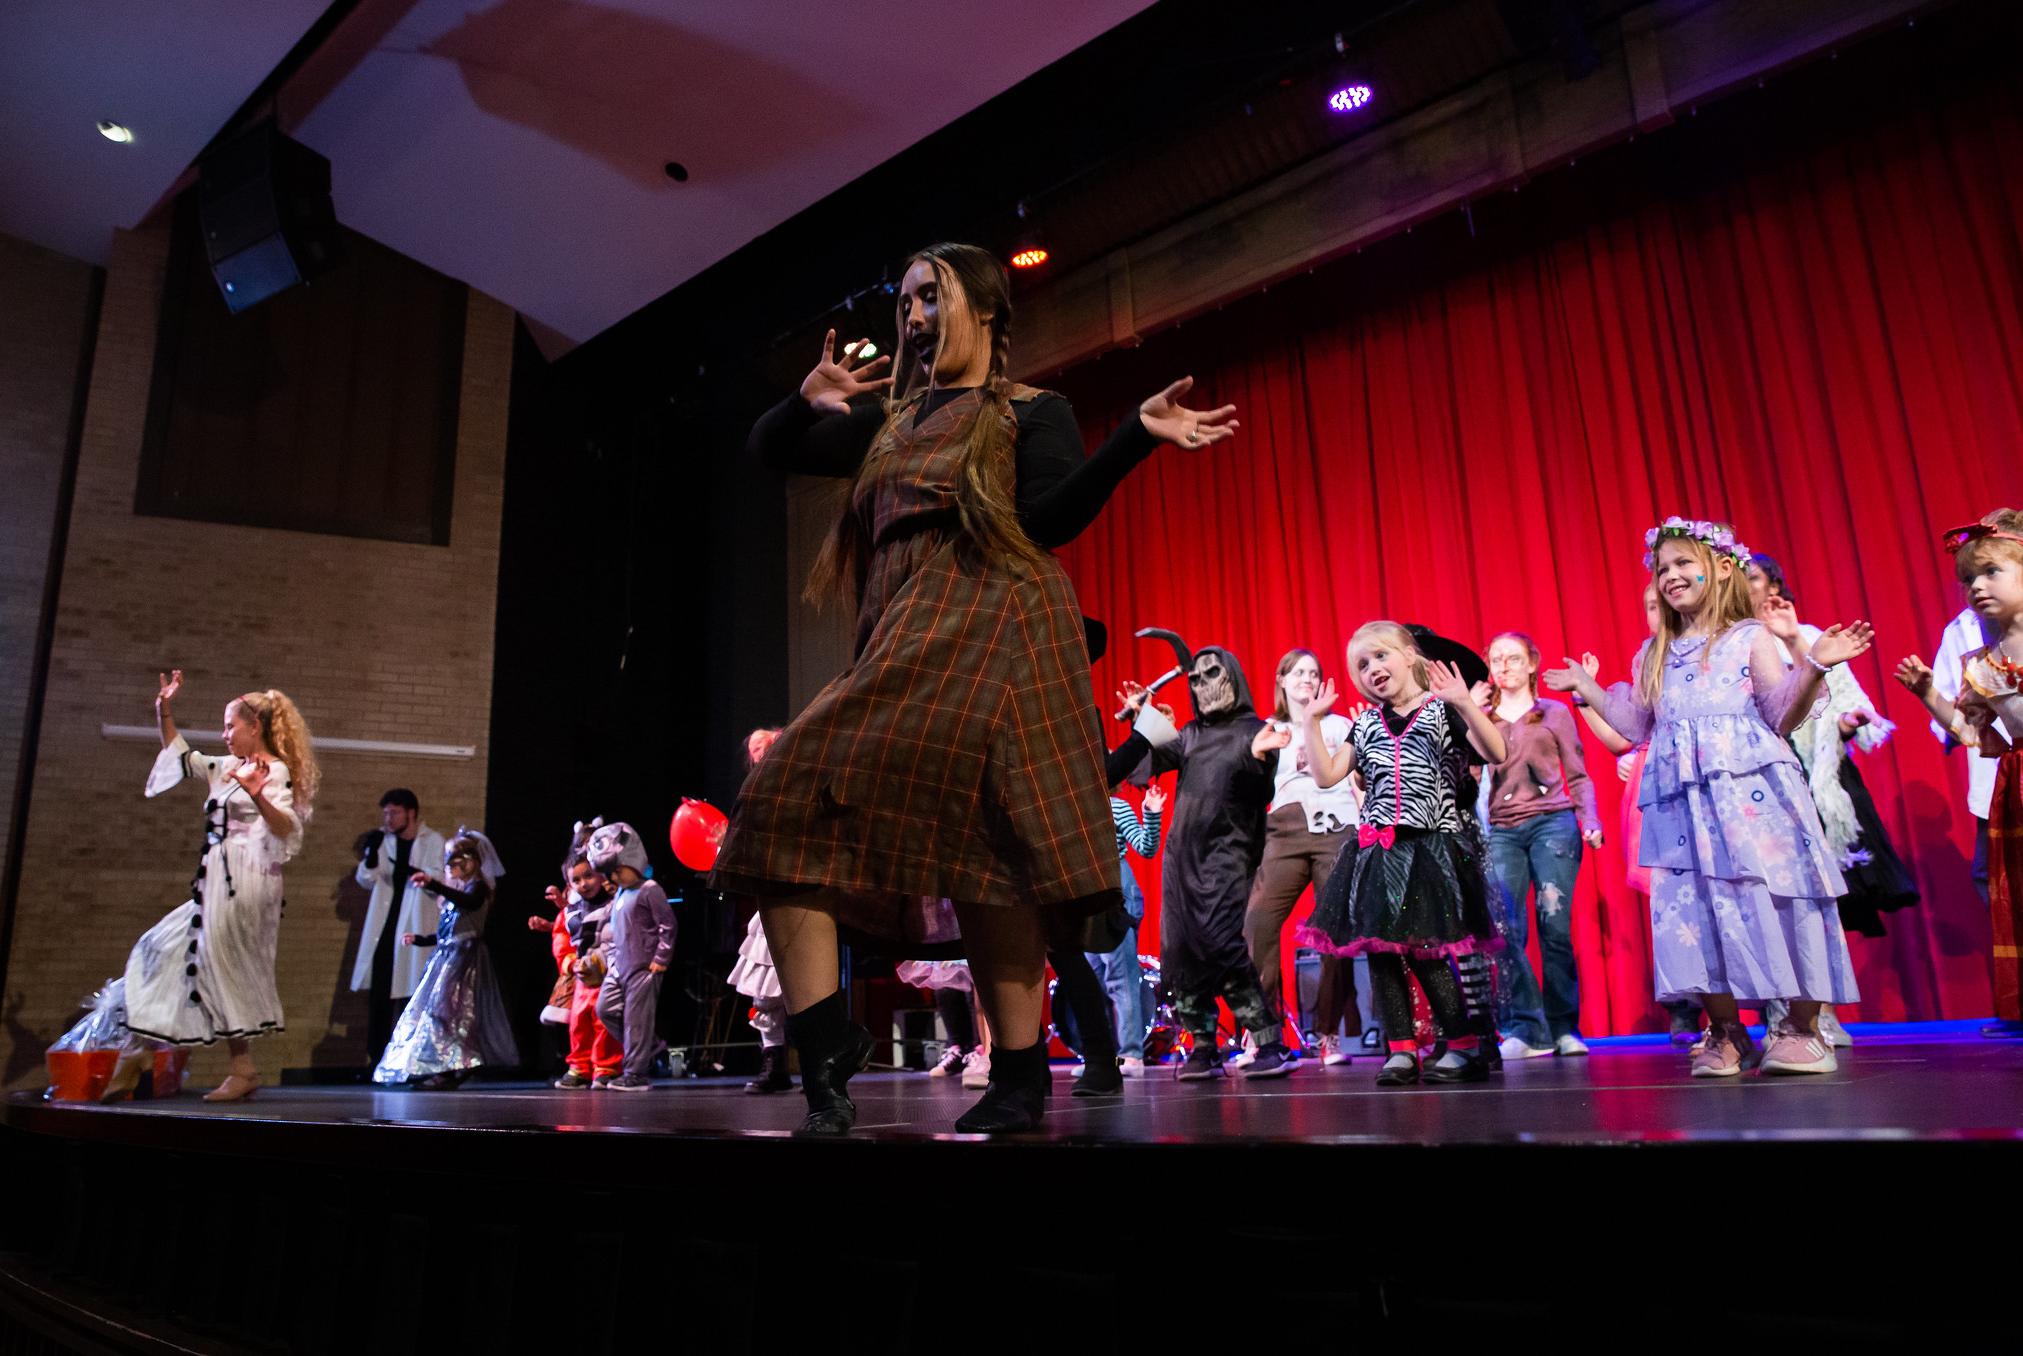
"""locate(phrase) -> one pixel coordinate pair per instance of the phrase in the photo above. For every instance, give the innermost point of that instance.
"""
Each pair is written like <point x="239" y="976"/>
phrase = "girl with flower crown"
<point x="1743" y="883"/>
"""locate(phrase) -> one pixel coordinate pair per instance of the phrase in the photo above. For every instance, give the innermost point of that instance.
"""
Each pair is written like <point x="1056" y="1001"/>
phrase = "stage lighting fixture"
<point x="1027" y="252"/>
<point x="1351" y="98"/>
<point x="867" y="349"/>
<point x="113" y="131"/>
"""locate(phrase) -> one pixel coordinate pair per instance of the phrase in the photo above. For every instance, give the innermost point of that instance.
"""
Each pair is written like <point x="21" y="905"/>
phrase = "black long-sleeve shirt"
<point x="1060" y="489"/>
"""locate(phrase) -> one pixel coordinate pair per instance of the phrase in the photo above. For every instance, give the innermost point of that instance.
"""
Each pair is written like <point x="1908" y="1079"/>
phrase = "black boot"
<point x="1016" y="1097"/>
<point x="772" y="1072"/>
<point x="832" y="1048"/>
<point x="1100" y="1078"/>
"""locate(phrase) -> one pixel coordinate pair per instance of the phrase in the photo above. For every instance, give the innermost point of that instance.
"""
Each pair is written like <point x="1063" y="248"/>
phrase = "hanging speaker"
<point x="264" y="203"/>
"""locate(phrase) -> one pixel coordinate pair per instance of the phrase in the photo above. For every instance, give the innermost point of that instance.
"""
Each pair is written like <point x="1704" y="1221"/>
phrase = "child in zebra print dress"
<point x="1416" y="895"/>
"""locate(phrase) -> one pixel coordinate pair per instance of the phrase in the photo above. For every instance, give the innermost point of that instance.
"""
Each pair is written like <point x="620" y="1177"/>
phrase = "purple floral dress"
<point x="1743" y="883"/>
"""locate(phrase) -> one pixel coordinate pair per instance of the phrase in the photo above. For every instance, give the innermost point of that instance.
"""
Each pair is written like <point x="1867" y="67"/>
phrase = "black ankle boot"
<point x="772" y="1072"/>
<point x="1100" y="1078"/>
<point x="832" y="1049"/>
<point x="1016" y="1097"/>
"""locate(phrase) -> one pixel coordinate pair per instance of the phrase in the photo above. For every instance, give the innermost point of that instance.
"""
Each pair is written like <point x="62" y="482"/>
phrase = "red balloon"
<point x="696" y="833"/>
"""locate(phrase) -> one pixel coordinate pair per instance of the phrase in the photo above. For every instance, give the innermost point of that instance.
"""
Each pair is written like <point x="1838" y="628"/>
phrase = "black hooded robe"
<point x="1214" y="841"/>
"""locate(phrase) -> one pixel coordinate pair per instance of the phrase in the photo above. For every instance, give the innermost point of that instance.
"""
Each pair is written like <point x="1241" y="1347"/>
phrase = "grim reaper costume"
<point x="1212" y="850"/>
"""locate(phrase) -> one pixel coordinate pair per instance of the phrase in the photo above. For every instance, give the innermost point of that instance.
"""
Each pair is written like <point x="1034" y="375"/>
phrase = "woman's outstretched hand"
<point x="1168" y="420"/>
<point x="832" y="385"/>
<point x="171" y="683"/>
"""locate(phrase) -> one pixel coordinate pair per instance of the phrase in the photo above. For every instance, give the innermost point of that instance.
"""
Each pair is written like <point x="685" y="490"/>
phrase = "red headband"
<point x="1954" y="539"/>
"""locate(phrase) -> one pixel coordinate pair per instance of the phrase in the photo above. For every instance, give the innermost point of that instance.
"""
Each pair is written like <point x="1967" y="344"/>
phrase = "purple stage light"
<point x="1349" y="98"/>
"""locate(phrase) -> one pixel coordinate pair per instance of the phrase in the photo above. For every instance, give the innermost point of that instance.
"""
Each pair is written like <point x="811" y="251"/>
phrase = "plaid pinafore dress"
<point x="958" y="757"/>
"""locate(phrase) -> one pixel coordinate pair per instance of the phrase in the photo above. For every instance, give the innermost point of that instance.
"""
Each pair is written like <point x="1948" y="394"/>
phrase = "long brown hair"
<point x="1282" y="710"/>
<point x="969" y="282"/>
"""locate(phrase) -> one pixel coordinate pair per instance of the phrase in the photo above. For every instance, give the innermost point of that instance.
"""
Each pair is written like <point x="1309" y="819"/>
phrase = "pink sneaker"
<point x="1797" y="1052"/>
<point x="1720" y="1054"/>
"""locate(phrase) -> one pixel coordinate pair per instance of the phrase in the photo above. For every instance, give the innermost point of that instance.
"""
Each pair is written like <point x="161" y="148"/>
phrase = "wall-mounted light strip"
<point x="150" y="733"/>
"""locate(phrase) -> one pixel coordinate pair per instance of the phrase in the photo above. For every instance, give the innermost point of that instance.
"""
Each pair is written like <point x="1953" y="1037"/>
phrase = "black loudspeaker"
<point x="264" y="203"/>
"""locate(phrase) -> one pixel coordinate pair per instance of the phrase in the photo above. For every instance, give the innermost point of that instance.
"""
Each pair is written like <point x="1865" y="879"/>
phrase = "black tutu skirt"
<point x="1877" y="880"/>
<point x="1425" y="895"/>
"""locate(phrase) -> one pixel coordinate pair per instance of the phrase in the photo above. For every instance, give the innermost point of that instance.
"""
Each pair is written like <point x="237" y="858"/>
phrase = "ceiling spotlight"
<point x="867" y="349"/>
<point x="112" y="131"/>
<point x="1350" y="98"/>
<point x="1027" y="251"/>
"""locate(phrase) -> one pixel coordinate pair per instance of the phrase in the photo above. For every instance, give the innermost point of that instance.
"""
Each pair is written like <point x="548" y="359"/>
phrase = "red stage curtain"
<point x="1771" y="314"/>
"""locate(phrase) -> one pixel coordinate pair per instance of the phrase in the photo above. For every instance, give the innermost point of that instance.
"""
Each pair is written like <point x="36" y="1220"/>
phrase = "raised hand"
<point x="1779" y="617"/>
<point x="1482" y="694"/>
<point x="1591" y="663"/>
<point x="1323" y="700"/>
<point x="1914" y="674"/>
<point x="1838" y="644"/>
<point x="1155" y="798"/>
<point x="557" y="896"/>
<point x="1566" y="679"/>
<point x="832" y="385"/>
<point x="1131" y="697"/>
<point x="1167" y="419"/>
<point x="252" y="774"/>
<point x="1269" y="739"/>
<point x="171" y="683"/>
<point x="1445" y="682"/>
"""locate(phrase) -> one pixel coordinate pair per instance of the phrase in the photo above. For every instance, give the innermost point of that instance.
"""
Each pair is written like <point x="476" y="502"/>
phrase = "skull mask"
<point x="1210" y="686"/>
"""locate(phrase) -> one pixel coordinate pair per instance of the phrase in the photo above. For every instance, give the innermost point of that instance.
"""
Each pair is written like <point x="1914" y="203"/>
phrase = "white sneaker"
<point x="1513" y="1047"/>
<point x="1569" y="1044"/>
<point x="976" y="1070"/>
<point x="1332" y="1052"/>
<point x="1131" y="1067"/>
<point x="1078" y="1068"/>
<point x="1249" y="1052"/>
<point x="1832" y="1031"/>
<point x="949" y="1064"/>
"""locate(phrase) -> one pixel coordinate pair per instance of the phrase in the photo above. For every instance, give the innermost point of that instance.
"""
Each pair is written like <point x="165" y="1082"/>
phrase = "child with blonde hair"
<point x="206" y="971"/>
<point x="1416" y="895"/>
<point x="1744" y="888"/>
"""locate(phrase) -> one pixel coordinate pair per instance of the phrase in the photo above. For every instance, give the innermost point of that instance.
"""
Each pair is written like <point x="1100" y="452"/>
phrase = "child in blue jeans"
<point x="1118" y="969"/>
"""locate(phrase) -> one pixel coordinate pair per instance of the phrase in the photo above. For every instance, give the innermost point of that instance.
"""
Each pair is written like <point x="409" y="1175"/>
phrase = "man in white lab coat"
<point x="385" y="970"/>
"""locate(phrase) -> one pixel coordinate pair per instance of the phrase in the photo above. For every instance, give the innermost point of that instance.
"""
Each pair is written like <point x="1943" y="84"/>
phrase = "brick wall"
<point x="45" y="304"/>
<point x="374" y="640"/>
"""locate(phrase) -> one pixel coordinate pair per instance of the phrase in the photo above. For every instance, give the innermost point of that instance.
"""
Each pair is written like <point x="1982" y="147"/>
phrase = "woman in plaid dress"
<point x="958" y="757"/>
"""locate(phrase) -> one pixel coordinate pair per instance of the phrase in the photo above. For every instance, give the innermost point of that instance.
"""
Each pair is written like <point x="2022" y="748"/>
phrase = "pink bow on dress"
<point x="1371" y="835"/>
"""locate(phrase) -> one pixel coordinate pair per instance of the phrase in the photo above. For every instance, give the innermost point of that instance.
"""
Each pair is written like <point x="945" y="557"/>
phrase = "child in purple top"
<point x="1743" y="886"/>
